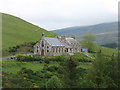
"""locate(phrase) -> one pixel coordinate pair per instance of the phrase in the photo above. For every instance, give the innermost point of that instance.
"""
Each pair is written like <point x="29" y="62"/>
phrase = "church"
<point x="51" y="46"/>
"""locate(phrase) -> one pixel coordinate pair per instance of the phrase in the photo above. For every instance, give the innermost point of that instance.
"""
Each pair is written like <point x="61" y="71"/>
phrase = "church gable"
<point x="48" y="46"/>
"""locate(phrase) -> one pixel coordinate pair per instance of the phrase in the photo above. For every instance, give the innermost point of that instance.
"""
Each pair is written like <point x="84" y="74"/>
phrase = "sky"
<point x="57" y="14"/>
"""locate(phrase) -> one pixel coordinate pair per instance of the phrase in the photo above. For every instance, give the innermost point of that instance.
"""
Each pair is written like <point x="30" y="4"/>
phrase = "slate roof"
<point x="56" y="42"/>
<point x="71" y="41"/>
<point x="53" y="41"/>
<point x="66" y="45"/>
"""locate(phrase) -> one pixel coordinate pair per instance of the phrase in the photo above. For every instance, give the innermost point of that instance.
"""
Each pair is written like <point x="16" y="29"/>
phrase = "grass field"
<point x="13" y="66"/>
<point x="107" y="51"/>
<point x="16" y="31"/>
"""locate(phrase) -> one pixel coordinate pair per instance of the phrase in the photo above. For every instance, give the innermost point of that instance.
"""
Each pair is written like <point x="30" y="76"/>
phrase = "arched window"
<point x="76" y="49"/>
<point x="62" y="50"/>
<point x="42" y="43"/>
<point x="37" y="48"/>
<point x="53" y="50"/>
<point x="67" y="49"/>
<point x="59" y="50"/>
<point x="56" y="50"/>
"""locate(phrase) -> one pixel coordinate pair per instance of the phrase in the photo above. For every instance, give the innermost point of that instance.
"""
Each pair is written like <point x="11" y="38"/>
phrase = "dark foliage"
<point x="66" y="72"/>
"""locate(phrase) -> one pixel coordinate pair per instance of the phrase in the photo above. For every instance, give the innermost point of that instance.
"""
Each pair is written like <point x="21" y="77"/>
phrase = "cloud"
<point x="53" y="14"/>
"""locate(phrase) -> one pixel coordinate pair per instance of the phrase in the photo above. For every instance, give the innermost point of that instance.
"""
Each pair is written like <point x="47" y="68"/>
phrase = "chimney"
<point x="74" y="36"/>
<point x="43" y="34"/>
<point x="63" y="37"/>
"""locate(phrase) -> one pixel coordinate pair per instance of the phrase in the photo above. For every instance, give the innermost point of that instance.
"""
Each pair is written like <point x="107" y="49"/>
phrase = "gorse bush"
<point x="29" y="58"/>
<point x="77" y="57"/>
<point x="52" y="68"/>
<point x="54" y="82"/>
<point x="77" y="71"/>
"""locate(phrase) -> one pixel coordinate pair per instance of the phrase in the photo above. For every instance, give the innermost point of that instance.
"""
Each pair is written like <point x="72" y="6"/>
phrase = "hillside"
<point x="68" y="71"/>
<point x="16" y="31"/>
<point x="106" y="33"/>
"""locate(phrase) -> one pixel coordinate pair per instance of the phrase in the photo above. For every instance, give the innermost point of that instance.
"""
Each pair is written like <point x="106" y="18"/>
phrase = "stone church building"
<point x="49" y="46"/>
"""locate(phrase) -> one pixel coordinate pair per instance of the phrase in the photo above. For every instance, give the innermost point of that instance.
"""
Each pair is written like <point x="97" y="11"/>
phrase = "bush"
<point x="25" y="71"/>
<point x="46" y="60"/>
<point x="29" y="58"/>
<point x="81" y="58"/>
<point x="52" y="68"/>
<point x="54" y="82"/>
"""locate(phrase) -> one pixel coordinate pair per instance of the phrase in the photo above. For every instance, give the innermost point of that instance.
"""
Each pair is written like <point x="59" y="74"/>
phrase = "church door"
<point x="42" y="52"/>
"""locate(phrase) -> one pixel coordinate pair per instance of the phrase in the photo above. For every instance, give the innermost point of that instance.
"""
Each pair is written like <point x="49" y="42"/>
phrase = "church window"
<point x="53" y="50"/>
<point x="42" y="44"/>
<point x="37" y="50"/>
<point x="59" y="49"/>
<point x="67" y="49"/>
<point x="62" y="49"/>
<point x="56" y="50"/>
<point x="76" y="49"/>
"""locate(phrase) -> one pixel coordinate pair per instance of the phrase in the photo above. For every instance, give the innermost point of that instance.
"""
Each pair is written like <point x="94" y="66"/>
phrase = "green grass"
<point x="107" y="51"/>
<point x="16" y="31"/>
<point x="13" y="66"/>
<point x="84" y="65"/>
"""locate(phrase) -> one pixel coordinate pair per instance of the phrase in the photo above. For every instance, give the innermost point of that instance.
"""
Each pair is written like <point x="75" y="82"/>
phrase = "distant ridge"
<point x="105" y="32"/>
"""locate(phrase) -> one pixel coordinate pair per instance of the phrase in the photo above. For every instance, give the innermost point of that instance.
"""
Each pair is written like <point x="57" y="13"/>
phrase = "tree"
<point x="103" y="72"/>
<point x="88" y="41"/>
<point x="26" y="48"/>
<point x="70" y="72"/>
<point x="54" y="82"/>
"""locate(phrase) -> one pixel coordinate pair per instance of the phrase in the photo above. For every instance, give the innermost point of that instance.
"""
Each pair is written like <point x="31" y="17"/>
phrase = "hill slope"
<point x="105" y="32"/>
<point x="16" y="31"/>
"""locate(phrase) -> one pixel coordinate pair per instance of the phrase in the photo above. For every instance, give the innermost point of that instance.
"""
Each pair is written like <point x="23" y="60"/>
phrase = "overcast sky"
<point x="56" y="14"/>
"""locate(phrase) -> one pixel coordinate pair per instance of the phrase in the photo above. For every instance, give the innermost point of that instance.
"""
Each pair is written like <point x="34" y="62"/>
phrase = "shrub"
<point x="54" y="82"/>
<point x="29" y="58"/>
<point x="52" y="68"/>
